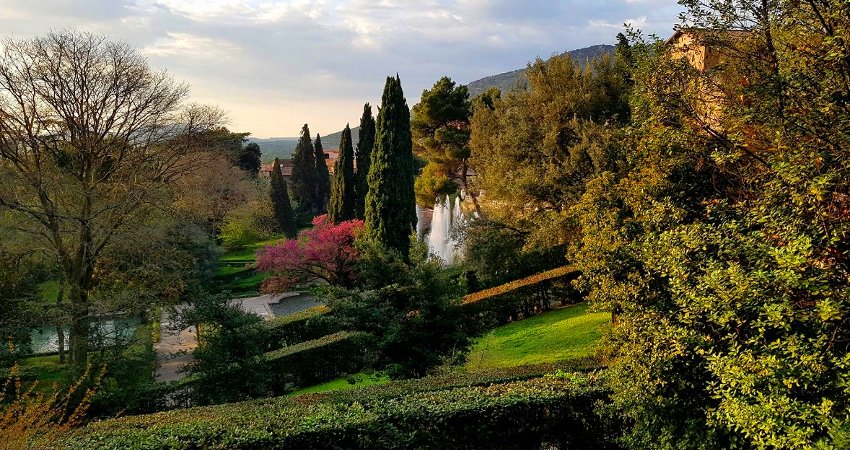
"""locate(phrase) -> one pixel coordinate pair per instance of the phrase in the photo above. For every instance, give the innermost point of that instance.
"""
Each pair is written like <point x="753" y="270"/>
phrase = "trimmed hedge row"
<point x="302" y="326"/>
<point x="521" y="414"/>
<point x="318" y="360"/>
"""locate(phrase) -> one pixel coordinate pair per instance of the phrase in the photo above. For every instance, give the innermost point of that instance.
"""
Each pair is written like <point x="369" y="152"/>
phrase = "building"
<point x="708" y="51"/>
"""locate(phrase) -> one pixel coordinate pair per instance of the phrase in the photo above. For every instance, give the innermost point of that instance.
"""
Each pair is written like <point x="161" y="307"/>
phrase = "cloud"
<point x="277" y="64"/>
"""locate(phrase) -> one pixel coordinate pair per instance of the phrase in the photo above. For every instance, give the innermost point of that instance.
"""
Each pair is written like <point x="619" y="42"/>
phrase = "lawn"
<point x="551" y="337"/>
<point x="340" y="384"/>
<point x="248" y="253"/>
<point x="47" y="370"/>
<point x="237" y="275"/>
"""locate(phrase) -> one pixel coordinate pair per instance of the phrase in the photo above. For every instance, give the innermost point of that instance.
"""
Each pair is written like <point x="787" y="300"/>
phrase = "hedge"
<point x="318" y="360"/>
<point x="554" y="412"/>
<point x="302" y="326"/>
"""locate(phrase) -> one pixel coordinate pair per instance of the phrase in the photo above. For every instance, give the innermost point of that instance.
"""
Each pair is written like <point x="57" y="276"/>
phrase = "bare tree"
<point x="90" y="138"/>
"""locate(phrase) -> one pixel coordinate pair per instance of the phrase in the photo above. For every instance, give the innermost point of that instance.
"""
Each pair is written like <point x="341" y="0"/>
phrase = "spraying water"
<point x="440" y="240"/>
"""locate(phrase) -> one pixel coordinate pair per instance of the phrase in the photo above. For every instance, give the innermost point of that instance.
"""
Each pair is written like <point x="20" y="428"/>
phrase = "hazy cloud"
<point x="277" y="64"/>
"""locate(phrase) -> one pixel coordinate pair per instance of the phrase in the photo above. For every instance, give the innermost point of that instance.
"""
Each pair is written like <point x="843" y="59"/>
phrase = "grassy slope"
<point x="340" y="384"/>
<point x="554" y="336"/>
<point x="243" y="280"/>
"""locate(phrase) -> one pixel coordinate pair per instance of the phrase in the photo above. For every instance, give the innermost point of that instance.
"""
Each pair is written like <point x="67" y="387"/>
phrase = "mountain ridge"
<point x="515" y="79"/>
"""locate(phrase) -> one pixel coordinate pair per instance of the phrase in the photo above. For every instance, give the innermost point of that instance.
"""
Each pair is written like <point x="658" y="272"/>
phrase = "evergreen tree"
<point x="280" y="202"/>
<point x="303" y="171"/>
<point x="364" y="155"/>
<point x="390" y="201"/>
<point x="250" y="159"/>
<point x="322" y="187"/>
<point x="440" y="127"/>
<point x="341" y="205"/>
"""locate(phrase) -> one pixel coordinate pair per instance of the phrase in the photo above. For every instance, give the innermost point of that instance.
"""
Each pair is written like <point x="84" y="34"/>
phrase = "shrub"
<point x="302" y="326"/>
<point x="522" y="414"/>
<point x="318" y="360"/>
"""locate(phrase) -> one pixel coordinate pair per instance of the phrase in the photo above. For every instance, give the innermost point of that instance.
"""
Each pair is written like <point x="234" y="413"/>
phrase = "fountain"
<point x="441" y="243"/>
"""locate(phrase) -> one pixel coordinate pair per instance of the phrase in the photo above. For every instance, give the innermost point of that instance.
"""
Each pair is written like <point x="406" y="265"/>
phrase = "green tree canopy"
<point x="323" y="179"/>
<point x="341" y="205"/>
<point x="304" y="171"/>
<point x="533" y="150"/>
<point x="365" y="143"/>
<point x="722" y="245"/>
<point x="280" y="202"/>
<point x="440" y="127"/>
<point x="250" y="159"/>
<point x="390" y="201"/>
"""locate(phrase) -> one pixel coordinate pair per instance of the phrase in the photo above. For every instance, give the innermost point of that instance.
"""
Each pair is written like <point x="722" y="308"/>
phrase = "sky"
<point x="275" y="65"/>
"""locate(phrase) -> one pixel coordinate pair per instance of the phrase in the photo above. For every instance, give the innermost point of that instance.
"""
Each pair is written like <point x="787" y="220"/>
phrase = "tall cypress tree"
<point x="322" y="188"/>
<point x="341" y="205"/>
<point x="390" y="201"/>
<point x="303" y="171"/>
<point x="364" y="155"/>
<point x="280" y="202"/>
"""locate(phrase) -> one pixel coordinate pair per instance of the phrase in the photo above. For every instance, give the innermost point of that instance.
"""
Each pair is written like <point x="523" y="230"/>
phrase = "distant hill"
<point x="515" y="79"/>
<point x="276" y="147"/>
<point x="331" y="141"/>
<point x="283" y="147"/>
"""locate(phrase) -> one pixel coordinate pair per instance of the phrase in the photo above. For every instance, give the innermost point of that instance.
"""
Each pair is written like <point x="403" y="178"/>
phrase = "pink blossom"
<point x="324" y="252"/>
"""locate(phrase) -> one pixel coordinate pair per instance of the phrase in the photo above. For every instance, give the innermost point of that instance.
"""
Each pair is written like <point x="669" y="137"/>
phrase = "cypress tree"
<point x="322" y="177"/>
<point x="364" y="155"/>
<point x="280" y="202"/>
<point x="390" y="201"/>
<point x="303" y="171"/>
<point x="341" y="205"/>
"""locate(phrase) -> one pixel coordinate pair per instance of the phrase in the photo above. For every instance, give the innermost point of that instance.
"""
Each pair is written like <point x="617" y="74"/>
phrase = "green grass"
<point x="559" y="335"/>
<point x="240" y="278"/>
<point x="48" y="291"/>
<point x="340" y="384"/>
<point x="249" y="252"/>
<point x="48" y="370"/>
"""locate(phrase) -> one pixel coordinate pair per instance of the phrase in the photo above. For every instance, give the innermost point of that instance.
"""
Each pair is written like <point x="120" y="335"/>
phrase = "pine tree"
<point x="341" y="205"/>
<point x="364" y="154"/>
<point x="280" y="202"/>
<point x="390" y="201"/>
<point x="322" y="187"/>
<point x="303" y="171"/>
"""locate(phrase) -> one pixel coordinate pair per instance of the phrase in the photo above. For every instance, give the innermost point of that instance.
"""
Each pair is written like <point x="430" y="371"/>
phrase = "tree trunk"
<point x="60" y="329"/>
<point x="78" y="340"/>
<point x="465" y="186"/>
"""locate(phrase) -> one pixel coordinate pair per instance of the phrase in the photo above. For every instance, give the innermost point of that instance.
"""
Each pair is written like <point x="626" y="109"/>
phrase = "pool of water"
<point x="103" y="332"/>
<point x="291" y="305"/>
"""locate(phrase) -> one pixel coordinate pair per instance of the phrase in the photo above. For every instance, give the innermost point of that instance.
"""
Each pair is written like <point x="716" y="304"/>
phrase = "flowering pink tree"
<point x="325" y="252"/>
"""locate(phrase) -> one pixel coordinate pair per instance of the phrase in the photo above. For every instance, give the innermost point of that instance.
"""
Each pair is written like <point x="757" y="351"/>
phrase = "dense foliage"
<point x="17" y="290"/>
<point x="283" y="213"/>
<point x="509" y="415"/>
<point x="250" y="159"/>
<point x="229" y="362"/>
<point x="723" y="245"/>
<point x="325" y="252"/>
<point x="413" y="314"/>
<point x="304" y="177"/>
<point x="534" y="149"/>
<point x="390" y="203"/>
<point x="342" y="202"/>
<point x="365" y="143"/>
<point x="322" y="189"/>
<point x="439" y="124"/>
